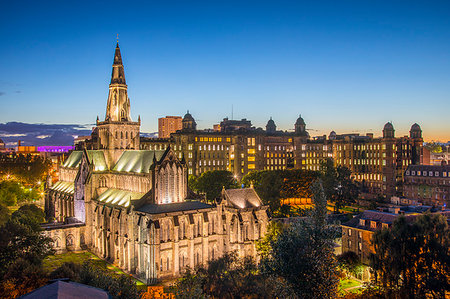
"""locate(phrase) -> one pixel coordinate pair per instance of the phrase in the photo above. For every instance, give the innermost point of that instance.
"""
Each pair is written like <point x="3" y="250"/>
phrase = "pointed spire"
<point x="118" y="73"/>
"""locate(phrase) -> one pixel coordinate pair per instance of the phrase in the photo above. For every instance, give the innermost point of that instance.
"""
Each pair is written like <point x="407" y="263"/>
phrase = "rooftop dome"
<point x="415" y="127"/>
<point x="300" y="121"/>
<point x="271" y="127"/>
<point x="388" y="126"/>
<point x="188" y="116"/>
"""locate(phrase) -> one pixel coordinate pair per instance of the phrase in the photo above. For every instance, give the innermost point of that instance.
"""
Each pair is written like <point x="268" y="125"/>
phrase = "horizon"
<point x="347" y="67"/>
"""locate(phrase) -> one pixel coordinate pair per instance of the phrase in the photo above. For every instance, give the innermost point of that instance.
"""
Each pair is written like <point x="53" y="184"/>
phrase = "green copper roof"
<point x="137" y="161"/>
<point x="119" y="197"/>
<point x="60" y="186"/>
<point x="98" y="159"/>
<point x="74" y="159"/>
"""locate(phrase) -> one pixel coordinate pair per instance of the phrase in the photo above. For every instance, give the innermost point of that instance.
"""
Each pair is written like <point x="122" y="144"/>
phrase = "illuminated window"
<point x="251" y="151"/>
<point x="290" y="140"/>
<point x="252" y="159"/>
<point x="251" y="166"/>
<point x="228" y="139"/>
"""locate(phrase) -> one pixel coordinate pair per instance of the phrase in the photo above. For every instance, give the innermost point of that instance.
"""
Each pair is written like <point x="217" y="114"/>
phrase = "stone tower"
<point x="417" y="142"/>
<point x="117" y="132"/>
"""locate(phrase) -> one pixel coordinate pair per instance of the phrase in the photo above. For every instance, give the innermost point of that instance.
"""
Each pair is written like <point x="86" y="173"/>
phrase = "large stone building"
<point x="358" y="232"/>
<point x="378" y="163"/>
<point x="428" y="183"/>
<point x="131" y="206"/>
<point x="168" y="125"/>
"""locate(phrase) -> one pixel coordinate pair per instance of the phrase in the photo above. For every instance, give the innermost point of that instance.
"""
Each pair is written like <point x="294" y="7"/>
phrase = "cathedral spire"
<point x="118" y="108"/>
<point x="118" y="73"/>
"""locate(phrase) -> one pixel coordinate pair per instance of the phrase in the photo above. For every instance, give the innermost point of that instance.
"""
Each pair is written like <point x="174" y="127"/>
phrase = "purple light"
<point x="55" y="149"/>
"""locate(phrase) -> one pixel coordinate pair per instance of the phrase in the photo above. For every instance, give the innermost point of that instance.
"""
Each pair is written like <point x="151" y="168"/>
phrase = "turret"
<point x="300" y="126"/>
<point x="189" y="123"/>
<point x="388" y="130"/>
<point x="271" y="127"/>
<point x="416" y="131"/>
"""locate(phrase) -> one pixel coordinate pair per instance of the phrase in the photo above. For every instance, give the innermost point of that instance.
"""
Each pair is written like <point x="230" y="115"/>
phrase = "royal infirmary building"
<point x="132" y="206"/>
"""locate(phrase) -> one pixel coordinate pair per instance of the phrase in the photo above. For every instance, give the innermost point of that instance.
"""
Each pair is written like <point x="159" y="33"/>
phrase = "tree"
<point x="4" y="214"/>
<point x="225" y="277"/>
<point x="212" y="182"/>
<point x="30" y="211"/>
<point x="338" y="185"/>
<point x="263" y="246"/>
<point x="434" y="147"/>
<point x="350" y="263"/>
<point x="413" y="258"/>
<point x="274" y="185"/>
<point x="21" y="277"/>
<point x="302" y="256"/>
<point x="119" y="286"/>
<point x="21" y="238"/>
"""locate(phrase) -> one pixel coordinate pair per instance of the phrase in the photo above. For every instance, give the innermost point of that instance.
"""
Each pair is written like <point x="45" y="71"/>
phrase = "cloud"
<point x="42" y="134"/>
<point x="2" y="93"/>
<point x="18" y="91"/>
<point x="12" y="135"/>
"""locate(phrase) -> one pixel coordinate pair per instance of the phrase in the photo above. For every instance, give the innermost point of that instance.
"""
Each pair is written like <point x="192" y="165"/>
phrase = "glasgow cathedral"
<point x="133" y="207"/>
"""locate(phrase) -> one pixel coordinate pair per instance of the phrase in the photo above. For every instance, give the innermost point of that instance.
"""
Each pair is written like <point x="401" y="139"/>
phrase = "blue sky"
<point x="343" y="65"/>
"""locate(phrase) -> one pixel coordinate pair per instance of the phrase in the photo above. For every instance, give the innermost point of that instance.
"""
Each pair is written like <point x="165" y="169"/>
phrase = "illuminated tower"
<point x="117" y="132"/>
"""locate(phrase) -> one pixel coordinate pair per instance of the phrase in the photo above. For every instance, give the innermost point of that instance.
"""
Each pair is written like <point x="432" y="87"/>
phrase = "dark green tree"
<point x="338" y="185"/>
<point x="413" y="259"/>
<point x="4" y="214"/>
<point x="211" y="183"/>
<point x="225" y="277"/>
<point x="303" y="257"/>
<point x="21" y="238"/>
<point x="350" y="263"/>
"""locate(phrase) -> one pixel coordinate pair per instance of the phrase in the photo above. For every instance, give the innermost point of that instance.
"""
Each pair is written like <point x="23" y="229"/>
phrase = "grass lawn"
<point x="345" y="284"/>
<point x="54" y="261"/>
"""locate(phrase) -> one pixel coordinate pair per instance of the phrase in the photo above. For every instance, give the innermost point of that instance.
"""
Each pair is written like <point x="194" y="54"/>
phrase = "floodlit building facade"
<point x="132" y="206"/>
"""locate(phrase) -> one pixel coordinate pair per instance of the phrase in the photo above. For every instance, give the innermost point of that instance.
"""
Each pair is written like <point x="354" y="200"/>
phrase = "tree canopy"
<point x="226" y="277"/>
<point x="211" y="183"/>
<point x="302" y="255"/>
<point x="274" y="185"/>
<point x="338" y="185"/>
<point x="27" y="169"/>
<point x="22" y="249"/>
<point x="413" y="258"/>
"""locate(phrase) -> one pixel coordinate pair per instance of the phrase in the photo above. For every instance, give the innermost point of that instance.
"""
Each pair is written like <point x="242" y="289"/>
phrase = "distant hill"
<point x="45" y="134"/>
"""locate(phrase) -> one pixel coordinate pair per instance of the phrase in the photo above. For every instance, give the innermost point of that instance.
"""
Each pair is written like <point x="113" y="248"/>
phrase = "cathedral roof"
<point x="243" y="198"/>
<point x="138" y="161"/>
<point x="61" y="186"/>
<point x="119" y="197"/>
<point x="74" y="159"/>
<point x="173" y="207"/>
<point x="96" y="157"/>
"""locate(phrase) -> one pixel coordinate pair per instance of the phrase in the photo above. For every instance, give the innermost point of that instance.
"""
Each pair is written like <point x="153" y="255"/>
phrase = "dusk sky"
<point x="348" y="66"/>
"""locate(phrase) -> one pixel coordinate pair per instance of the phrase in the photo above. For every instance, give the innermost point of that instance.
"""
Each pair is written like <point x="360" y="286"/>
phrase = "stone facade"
<point x="131" y="206"/>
